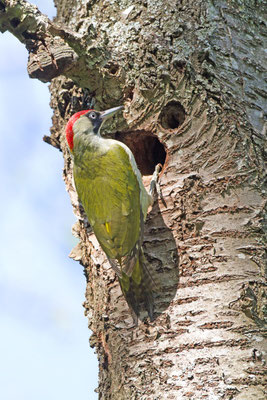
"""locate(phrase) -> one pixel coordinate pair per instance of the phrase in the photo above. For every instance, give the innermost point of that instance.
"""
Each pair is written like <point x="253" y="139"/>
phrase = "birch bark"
<point x="191" y="77"/>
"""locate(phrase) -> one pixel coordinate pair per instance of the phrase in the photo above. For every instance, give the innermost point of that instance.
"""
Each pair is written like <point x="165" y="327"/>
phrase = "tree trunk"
<point x="190" y="75"/>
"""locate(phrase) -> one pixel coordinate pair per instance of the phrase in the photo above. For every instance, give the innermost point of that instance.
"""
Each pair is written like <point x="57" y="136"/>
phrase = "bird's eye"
<point x="93" y="115"/>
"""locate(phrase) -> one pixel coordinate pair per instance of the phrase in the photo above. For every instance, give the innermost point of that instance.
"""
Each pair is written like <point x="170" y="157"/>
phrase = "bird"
<point x="110" y="187"/>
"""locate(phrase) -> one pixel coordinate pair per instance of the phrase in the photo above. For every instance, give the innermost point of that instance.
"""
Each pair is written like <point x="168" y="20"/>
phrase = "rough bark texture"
<point x="190" y="73"/>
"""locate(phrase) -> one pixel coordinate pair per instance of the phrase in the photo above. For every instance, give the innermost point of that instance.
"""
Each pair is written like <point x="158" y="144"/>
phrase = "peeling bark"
<point x="191" y="76"/>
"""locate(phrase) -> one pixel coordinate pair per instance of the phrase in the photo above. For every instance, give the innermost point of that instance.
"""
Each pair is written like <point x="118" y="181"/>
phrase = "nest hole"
<point x="148" y="151"/>
<point x="172" y="115"/>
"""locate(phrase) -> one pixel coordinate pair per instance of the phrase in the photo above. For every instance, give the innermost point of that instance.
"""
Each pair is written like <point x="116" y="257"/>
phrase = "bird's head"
<point x="87" y="121"/>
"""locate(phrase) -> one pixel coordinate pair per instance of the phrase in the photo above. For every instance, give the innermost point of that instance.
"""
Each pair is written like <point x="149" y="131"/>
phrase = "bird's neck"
<point x="88" y="144"/>
<point x="88" y="138"/>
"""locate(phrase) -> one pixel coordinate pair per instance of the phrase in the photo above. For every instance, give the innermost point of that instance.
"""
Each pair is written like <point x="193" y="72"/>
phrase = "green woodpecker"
<point x="110" y="188"/>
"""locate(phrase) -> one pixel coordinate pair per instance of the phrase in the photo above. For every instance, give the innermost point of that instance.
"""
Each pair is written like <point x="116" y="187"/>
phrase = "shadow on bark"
<point x="161" y="252"/>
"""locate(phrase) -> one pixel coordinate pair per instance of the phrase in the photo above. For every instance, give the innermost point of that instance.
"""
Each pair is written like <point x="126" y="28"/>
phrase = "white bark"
<point x="189" y="73"/>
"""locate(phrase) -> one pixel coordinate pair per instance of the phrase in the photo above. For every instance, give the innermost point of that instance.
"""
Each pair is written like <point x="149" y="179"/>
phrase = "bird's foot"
<point x="154" y="189"/>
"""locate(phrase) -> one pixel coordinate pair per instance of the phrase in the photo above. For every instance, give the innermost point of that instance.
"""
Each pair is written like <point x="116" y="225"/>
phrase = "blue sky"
<point x="44" y="350"/>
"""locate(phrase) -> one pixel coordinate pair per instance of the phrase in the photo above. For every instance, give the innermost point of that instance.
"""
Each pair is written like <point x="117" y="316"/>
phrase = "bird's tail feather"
<point x="139" y="288"/>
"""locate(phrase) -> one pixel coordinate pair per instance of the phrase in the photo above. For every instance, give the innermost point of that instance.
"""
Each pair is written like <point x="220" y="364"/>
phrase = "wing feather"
<point x="109" y="191"/>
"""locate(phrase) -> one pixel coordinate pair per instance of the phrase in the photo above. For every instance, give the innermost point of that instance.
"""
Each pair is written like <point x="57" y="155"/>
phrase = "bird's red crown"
<point x="69" y="127"/>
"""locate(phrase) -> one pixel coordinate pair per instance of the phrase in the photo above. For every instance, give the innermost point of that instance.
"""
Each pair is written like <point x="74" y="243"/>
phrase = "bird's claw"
<point x="154" y="184"/>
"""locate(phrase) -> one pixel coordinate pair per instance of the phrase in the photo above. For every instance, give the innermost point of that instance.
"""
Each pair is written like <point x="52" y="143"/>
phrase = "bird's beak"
<point x="108" y="113"/>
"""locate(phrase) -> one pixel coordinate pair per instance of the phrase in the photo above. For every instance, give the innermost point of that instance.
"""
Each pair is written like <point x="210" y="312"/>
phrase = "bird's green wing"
<point x="109" y="191"/>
